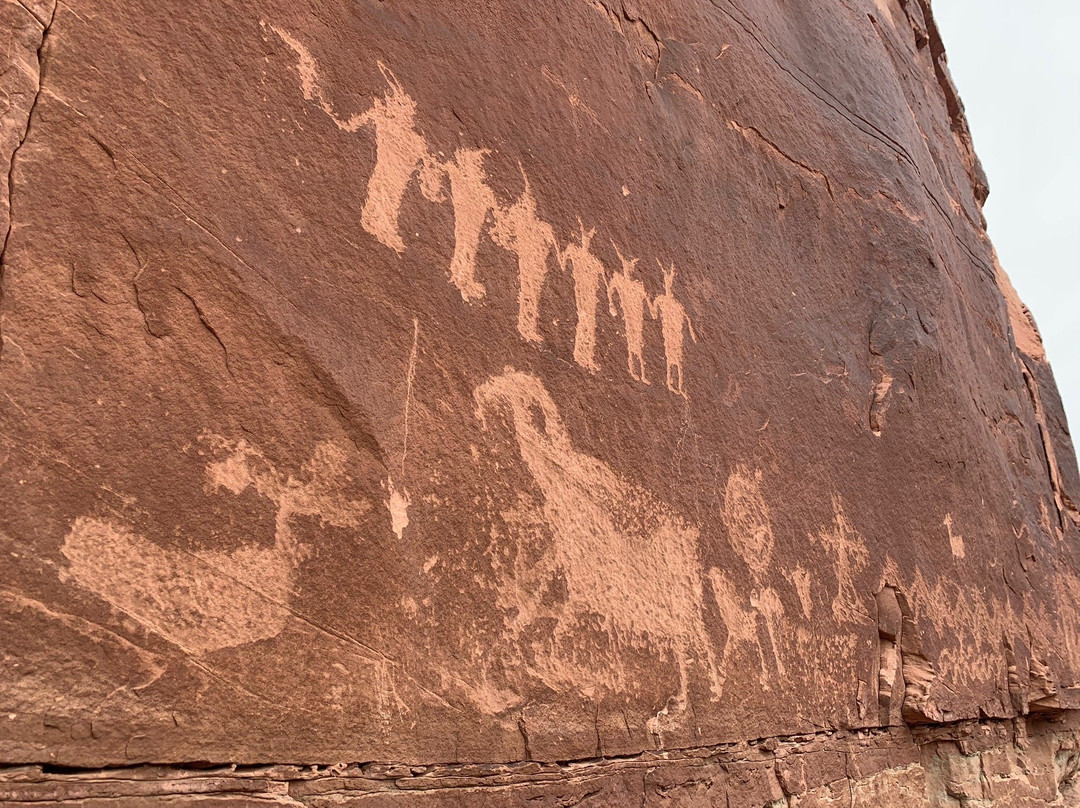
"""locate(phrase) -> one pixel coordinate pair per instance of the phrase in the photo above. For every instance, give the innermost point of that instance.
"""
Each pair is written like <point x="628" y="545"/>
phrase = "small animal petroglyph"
<point x="740" y="616"/>
<point x="204" y="601"/>
<point x="956" y="540"/>
<point x="403" y="155"/>
<point x="623" y="554"/>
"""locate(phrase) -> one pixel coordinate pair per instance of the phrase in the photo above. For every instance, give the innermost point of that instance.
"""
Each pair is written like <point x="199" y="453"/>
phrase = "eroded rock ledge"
<point x="1032" y="761"/>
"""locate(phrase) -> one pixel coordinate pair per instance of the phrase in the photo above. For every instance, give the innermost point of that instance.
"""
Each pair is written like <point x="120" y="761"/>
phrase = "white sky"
<point x="1017" y="67"/>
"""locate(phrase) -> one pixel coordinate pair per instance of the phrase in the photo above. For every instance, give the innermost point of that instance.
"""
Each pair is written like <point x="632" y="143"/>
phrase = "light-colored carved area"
<point x="623" y="554"/>
<point x="675" y="324"/>
<point x="205" y="601"/>
<point x="531" y="239"/>
<point x="499" y="404"/>
<point x="474" y="202"/>
<point x="627" y="296"/>
<point x="589" y="276"/>
<point x="848" y="552"/>
<point x="403" y="155"/>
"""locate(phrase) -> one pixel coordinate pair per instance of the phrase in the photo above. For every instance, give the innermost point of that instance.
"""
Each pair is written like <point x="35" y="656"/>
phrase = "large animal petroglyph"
<point x="403" y="155"/>
<point x="204" y="601"/>
<point x="623" y="554"/>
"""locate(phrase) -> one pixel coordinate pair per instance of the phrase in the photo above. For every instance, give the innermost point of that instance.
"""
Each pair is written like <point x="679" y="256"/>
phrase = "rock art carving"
<point x="633" y="300"/>
<point x="741" y="623"/>
<point x="473" y="202"/>
<point x="310" y="85"/>
<point x="403" y="155"/>
<point x="746" y="515"/>
<point x="519" y="230"/>
<point x="986" y="626"/>
<point x="956" y="540"/>
<point x="399" y="501"/>
<point x="674" y="322"/>
<point x="208" y="600"/>
<point x="589" y="274"/>
<point x="850" y="555"/>
<point x="623" y="554"/>
<point x="400" y="151"/>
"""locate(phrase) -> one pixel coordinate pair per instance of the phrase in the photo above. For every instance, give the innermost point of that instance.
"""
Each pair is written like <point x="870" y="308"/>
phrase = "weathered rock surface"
<point x="491" y="403"/>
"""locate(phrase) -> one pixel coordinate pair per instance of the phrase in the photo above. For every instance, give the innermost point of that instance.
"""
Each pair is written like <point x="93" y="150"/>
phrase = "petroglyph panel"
<point x="501" y="387"/>
<point x="403" y="155"/>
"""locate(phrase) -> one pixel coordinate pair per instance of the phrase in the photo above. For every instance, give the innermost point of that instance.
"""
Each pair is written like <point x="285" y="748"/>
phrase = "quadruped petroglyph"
<point x="204" y="601"/>
<point x="623" y="554"/>
<point x="403" y="155"/>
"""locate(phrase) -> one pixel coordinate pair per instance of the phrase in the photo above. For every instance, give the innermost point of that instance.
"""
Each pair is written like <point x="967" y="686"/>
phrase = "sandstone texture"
<point x="500" y="403"/>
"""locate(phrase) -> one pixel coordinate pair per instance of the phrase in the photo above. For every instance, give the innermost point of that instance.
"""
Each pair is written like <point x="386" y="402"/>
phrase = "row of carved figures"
<point x="402" y="155"/>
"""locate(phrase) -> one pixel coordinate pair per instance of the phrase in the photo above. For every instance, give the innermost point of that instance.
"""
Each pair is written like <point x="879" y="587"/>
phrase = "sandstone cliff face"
<point x="492" y="403"/>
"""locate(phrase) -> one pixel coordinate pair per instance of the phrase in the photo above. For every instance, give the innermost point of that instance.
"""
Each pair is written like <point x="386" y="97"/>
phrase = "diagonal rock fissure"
<point x="46" y="28"/>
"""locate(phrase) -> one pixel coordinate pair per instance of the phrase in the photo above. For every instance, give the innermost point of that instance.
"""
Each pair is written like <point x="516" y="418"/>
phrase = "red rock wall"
<point x="488" y="402"/>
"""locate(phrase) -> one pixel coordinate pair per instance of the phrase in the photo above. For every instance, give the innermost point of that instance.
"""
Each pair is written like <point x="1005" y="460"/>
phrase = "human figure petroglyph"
<point x="519" y="230"/>
<point x="622" y="553"/>
<point x="849" y="550"/>
<point x="400" y="151"/>
<point x="588" y="273"/>
<point x="402" y="155"/>
<point x="674" y="322"/>
<point x="634" y="301"/>
<point x="473" y="201"/>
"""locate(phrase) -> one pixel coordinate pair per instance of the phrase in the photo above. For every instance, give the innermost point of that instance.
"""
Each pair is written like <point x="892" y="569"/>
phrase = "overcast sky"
<point x="1017" y="66"/>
